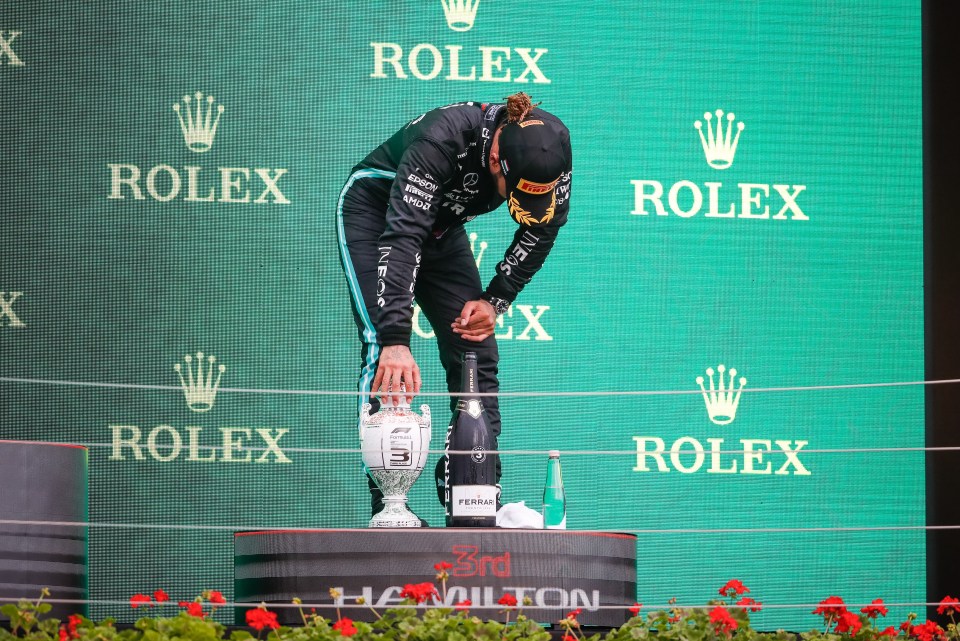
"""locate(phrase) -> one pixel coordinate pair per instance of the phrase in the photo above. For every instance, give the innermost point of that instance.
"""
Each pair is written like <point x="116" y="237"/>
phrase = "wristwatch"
<point x="500" y="306"/>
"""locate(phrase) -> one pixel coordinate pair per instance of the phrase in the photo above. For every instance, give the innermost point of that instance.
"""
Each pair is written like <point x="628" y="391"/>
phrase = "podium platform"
<point x="560" y="570"/>
<point x="44" y="485"/>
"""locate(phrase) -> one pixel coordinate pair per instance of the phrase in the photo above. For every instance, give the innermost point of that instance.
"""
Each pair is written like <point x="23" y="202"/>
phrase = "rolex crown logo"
<point x="717" y="146"/>
<point x="460" y="13"/>
<point x="477" y="254"/>
<point x="195" y="122"/>
<point x="721" y="399"/>
<point x="199" y="387"/>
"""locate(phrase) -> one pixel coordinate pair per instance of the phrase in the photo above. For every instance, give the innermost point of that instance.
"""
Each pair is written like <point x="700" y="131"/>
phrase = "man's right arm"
<point x="411" y="212"/>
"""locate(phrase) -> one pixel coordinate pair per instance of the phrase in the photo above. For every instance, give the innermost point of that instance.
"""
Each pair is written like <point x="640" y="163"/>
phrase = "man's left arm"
<point x="530" y="247"/>
<point x="524" y="257"/>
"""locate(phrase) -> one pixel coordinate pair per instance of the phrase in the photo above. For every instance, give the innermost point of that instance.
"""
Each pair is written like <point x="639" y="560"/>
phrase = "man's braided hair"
<point x="518" y="106"/>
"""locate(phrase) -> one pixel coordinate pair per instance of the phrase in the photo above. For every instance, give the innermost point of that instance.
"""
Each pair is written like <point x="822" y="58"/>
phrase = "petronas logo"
<point x="197" y="121"/>
<point x="460" y="14"/>
<point x="199" y="386"/>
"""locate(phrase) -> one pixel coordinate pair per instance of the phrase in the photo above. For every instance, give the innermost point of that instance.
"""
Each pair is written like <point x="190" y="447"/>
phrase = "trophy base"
<point x="396" y="514"/>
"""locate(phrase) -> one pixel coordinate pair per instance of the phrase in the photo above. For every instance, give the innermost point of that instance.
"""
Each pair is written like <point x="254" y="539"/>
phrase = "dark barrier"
<point x="43" y="482"/>
<point x="558" y="570"/>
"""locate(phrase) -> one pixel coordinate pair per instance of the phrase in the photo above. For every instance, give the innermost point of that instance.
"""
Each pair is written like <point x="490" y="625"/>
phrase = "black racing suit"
<point x="400" y="221"/>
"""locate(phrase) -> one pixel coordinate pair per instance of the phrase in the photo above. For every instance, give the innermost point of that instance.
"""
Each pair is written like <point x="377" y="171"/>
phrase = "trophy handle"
<point x="425" y="415"/>
<point x="365" y="412"/>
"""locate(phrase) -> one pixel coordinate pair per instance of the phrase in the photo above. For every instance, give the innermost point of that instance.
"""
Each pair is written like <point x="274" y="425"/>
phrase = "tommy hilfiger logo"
<point x="199" y="387"/>
<point x="200" y="126"/>
<point x="460" y="13"/>
<point x="717" y="146"/>
<point x="722" y="399"/>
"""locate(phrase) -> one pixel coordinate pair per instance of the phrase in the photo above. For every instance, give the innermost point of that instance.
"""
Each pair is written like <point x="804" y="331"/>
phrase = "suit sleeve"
<point x="529" y="248"/>
<point x="411" y="212"/>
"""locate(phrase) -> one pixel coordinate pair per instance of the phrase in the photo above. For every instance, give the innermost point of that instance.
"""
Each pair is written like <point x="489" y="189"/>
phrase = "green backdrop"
<point x="799" y="264"/>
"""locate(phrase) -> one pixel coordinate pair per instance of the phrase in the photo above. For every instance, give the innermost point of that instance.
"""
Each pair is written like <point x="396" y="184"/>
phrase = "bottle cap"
<point x="554" y="453"/>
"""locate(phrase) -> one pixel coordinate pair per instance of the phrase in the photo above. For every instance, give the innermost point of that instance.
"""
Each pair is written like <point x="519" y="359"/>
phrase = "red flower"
<point x="831" y="607"/>
<point x="419" y="592"/>
<point x="928" y="631"/>
<point x="573" y="615"/>
<point x="889" y="632"/>
<point x="63" y="634"/>
<point x="216" y="597"/>
<point x="635" y="610"/>
<point x="139" y="599"/>
<point x="568" y="637"/>
<point x="949" y="605"/>
<point x="73" y="622"/>
<point x="848" y="622"/>
<point x="443" y="565"/>
<point x="750" y="604"/>
<point x="260" y="618"/>
<point x="674" y="619"/>
<point x="875" y="609"/>
<point x="194" y="609"/>
<point x="508" y="600"/>
<point x="722" y="621"/>
<point x="733" y="588"/>
<point x="160" y="596"/>
<point x="345" y="627"/>
<point x="463" y="605"/>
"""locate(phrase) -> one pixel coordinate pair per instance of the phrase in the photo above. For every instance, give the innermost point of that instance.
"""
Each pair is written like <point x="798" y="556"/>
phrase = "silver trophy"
<point x="395" y="442"/>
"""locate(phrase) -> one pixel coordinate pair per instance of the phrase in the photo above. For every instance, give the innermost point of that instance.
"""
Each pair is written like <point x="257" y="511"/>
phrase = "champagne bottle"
<point x="470" y="479"/>
<point x="554" y="499"/>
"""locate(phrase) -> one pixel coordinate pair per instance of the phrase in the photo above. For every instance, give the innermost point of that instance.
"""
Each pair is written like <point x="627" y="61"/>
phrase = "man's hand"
<point x="476" y="322"/>
<point x="396" y="368"/>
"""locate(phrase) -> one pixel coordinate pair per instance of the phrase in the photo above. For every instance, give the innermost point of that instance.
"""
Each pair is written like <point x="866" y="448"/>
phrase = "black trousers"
<point x="447" y="279"/>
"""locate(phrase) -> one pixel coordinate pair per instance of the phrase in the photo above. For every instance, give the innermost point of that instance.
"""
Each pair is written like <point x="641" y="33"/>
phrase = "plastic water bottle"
<point x="554" y="499"/>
